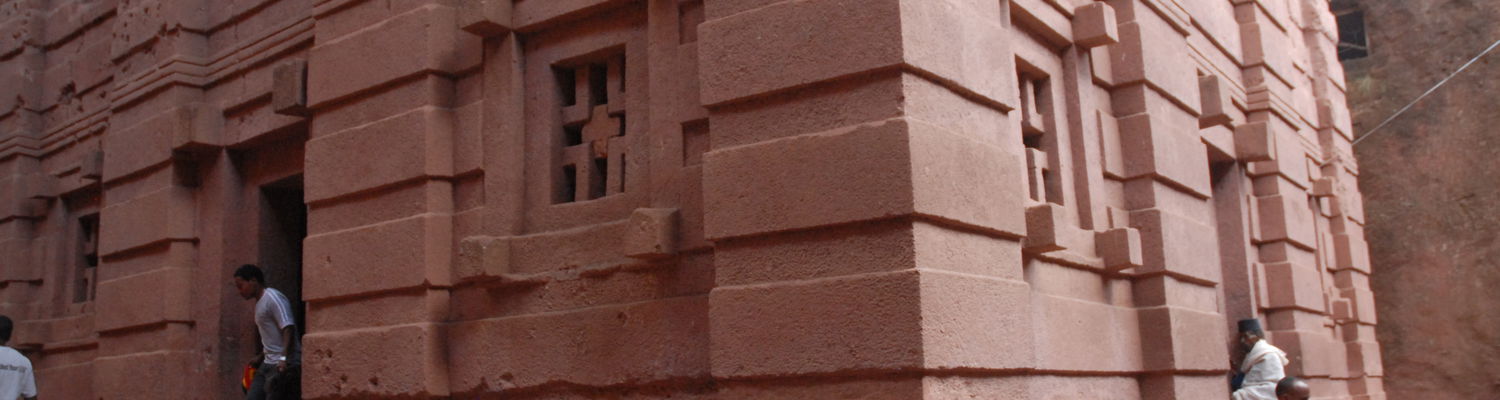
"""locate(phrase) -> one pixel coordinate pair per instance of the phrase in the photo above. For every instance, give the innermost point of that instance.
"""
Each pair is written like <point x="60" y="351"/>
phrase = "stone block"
<point x="1162" y="290"/>
<point x="822" y="253"/>
<point x="974" y="322"/>
<point x="395" y="361"/>
<point x="1324" y="187"/>
<point x="1094" y="25"/>
<point x="1111" y="152"/>
<point x="1367" y="387"/>
<point x="138" y="147"/>
<point x="14" y="36"/>
<point x="1293" y="285"/>
<point x="160" y="296"/>
<point x="1120" y="248"/>
<point x="1334" y="115"/>
<point x="1351" y="251"/>
<point x="1255" y="141"/>
<point x="1174" y="387"/>
<point x="486" y="18"/>
<point x="92" y="67"/>
<point x="1351" y="207"/>
<point x="1350" y="279"/>
<point x="1219" y="139"/>
<point x="945" y="106"/>
<point x="398" y="202"/>
<point x="31" y="333"/>
<point x="1289" y="160"/>
<point x="808" y="181"/>
<point x="1286" y="217"/>
<point x="1363" y="302"/>
<point x="587" y="247"/>
<point x="1100" y="63"/>
<point x="795" y="43"/>
<point x="388" y="309"/>
<point x="1178" y="339"/>
<point x="963" y="180"/>
<point x="74" y="381"/>
<point x="1364" y="359"/>
<point x="1046" y="228"/>
<point x="1218" y="102"/>
<point x="1152" y="52"/>
<point x="1159" y="148"/>
<point x="1036" y="174"/>
<point x="1343" y="310"/>
<point x="944" y="248"/>
<point x="960" y="42"/>
<point x="893" y="388"/>
<point x="196" y="127"/>
<point x="1307" y="351"/>
<point x="405" y="253"/>
<point x="122" y="373"/>
<point x="1175" y="244"/>
<point x="1077" y="335"/>
<point x="651" y="233"/>
<point x="1338" y="359"/>
<point x="40" y="186"/>
<point x="859" y="323"/>
<point x="423" y="40"/>
<point x="152" y="218"/>
<point x="92" y="165"/>
<point x="138" y="25"/>
<point x="600" y="346"/>
<point x="488" y="260"/>
<point x="289" y="88"/>
<point x="1048" y="23"/>
<point x="408" y="146"/>
<point x="1266" y="45"/>
<point x="876" y="97"/>
<point x="20" y="266"/>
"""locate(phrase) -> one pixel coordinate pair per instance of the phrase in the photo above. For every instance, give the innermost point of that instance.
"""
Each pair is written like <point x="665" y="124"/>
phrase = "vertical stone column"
<point x="864" y="193"/>
<point x="379" y="187"/>
<point x="1167" y="187"/>
<point x="47" y="69"/>
<point x="23" y="198"/>
<point x="148" y="239"/>
<point x="1339" y="206"/>
<point x="24" y="64"/>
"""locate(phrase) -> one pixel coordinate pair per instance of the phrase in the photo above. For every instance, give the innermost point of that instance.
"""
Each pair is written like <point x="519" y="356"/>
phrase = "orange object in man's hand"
<point x="249" y="377"/>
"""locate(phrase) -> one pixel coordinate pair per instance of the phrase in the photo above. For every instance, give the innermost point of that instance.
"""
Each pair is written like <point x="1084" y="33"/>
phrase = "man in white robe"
<point x="1264" y="365"/>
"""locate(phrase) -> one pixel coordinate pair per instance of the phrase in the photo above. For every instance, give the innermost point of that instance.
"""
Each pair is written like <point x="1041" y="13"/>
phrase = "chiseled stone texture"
<point x="700" y="199"/>
<point x="1430" y="190"/>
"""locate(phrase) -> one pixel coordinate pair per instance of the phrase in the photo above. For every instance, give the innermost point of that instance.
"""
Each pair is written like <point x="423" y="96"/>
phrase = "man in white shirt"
<point x="1264" y="364"/>
<point x="16" y="375"/>
<point x="276" y="375"/>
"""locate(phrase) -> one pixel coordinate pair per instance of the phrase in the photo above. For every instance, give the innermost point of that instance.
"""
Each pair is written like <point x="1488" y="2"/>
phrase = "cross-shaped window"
<point x="592" y="160"/>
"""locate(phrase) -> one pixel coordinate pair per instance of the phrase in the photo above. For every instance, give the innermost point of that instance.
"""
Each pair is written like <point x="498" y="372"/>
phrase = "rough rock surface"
<point x="1431" y="183"/>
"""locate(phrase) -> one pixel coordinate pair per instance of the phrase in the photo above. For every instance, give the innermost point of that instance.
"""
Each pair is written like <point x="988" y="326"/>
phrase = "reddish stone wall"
<point x="694" y="199"/>
<point x="1431" y="193"/>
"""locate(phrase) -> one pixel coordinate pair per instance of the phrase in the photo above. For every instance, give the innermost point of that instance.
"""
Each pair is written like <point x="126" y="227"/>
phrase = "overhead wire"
<point x="1429" y="91"/>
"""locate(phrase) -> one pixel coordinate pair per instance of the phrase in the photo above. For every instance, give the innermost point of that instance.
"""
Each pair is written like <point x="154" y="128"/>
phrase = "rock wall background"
<point x="1429" y="186"/>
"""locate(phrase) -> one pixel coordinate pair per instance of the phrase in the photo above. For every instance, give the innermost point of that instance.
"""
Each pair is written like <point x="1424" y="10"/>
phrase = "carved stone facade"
<point x="682" y="198"/>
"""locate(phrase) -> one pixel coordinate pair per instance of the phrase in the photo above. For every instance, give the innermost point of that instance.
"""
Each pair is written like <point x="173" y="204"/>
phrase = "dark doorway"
<point x="283" y="226"/>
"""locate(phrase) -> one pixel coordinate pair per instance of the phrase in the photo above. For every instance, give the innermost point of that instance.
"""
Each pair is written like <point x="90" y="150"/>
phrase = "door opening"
<point x="283" y="227"/>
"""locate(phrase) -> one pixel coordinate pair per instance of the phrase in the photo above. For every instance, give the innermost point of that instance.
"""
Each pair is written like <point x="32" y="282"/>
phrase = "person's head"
<point x="6" y="326"/>
<point x="249" y="280"/>
<point x="1293" y="388"/>
<point x="1250" y="332"/>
